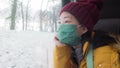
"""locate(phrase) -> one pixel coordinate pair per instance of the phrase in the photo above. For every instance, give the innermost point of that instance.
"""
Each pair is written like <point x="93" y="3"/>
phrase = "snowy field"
<point x="26" y="49"/>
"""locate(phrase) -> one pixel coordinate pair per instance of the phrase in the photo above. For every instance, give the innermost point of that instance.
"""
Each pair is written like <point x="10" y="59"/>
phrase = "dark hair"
<point x="102" y="38"/>
<point x="99" y="39"/>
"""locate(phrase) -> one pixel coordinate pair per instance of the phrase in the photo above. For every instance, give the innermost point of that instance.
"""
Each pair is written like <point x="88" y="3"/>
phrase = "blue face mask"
<point x="67" y="33"/>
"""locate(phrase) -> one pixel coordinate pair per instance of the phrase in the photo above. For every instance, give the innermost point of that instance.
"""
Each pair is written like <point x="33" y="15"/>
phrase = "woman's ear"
<point x="81" y="30"/>
<point x="84" y="29"/>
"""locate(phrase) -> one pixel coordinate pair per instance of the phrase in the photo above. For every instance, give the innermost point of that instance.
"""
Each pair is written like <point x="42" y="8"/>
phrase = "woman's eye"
<point x="67" y="21"/>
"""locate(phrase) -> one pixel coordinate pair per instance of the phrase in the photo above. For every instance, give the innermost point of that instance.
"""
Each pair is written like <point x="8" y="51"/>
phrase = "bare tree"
<point x="22" y="14"/>
<point x="40" y="15"/>
<point x="27" y="14"/>
<point x="13" y="14"/>
<point x="55" y="16"/>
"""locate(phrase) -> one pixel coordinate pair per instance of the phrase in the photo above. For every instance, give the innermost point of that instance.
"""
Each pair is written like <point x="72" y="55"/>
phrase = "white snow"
<point x="26" y="49"/>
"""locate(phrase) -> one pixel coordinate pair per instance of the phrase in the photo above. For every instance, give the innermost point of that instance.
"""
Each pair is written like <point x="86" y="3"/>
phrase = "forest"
<point x="31" y="15"/>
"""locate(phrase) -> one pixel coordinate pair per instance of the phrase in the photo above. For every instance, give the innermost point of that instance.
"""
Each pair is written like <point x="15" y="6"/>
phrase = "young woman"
<point x="77" y="45"/>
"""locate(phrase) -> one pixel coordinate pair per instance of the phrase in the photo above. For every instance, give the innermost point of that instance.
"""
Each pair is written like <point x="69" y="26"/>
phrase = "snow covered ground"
<point x="26" y="49"/>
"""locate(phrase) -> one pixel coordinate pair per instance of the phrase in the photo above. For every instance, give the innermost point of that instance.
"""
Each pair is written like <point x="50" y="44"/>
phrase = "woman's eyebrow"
<point x="67" y="17"/>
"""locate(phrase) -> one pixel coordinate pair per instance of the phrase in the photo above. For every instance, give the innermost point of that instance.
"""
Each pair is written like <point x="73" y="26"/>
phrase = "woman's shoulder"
<point x="104" y="49"/>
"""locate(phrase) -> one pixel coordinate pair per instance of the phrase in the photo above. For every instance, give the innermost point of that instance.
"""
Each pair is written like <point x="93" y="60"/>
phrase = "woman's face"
<point x="67" y="18"/>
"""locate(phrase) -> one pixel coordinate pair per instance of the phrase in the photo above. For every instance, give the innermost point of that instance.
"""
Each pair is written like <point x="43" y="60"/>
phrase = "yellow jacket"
<point x="104" y="57"/>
